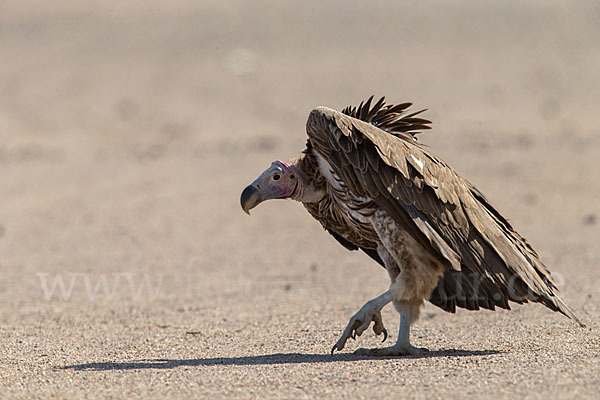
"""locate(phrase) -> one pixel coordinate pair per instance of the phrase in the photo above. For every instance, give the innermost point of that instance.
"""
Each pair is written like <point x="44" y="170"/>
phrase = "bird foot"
<point x="370" y="312"/>
<point x="396" y="350"/>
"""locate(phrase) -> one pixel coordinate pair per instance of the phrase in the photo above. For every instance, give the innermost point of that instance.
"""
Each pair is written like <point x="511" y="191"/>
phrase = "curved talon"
<point x="370" y="312"/>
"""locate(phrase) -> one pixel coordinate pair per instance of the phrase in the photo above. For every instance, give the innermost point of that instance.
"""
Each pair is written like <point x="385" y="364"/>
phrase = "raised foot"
<point x="359" y="322"/>
<point x="404" y="350"/>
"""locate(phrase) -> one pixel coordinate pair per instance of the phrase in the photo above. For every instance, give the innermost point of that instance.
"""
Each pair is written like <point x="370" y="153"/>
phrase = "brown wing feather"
<point x="391" y="118"/>
<point x="488" y="263"/>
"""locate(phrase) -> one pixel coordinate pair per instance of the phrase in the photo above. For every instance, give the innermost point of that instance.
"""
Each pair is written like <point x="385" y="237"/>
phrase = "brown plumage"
<point x="368" y="181"/>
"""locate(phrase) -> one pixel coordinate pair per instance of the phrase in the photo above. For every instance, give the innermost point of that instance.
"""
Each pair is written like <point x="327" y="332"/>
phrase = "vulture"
<point x="375" y="188"/>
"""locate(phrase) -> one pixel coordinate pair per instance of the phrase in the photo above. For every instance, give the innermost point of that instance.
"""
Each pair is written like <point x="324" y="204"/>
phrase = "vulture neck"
<point x="310" y="187"/>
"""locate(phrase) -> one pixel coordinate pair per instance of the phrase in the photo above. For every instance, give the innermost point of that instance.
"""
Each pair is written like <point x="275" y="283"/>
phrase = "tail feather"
<point x="565" y="310"/>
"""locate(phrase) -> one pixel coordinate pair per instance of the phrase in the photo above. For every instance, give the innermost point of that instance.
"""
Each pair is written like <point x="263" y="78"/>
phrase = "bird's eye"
<point x="292" y="176"/>
<point x="276" y="177"/>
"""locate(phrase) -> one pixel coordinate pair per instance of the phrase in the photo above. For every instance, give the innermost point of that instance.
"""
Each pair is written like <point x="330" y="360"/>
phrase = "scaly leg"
<point x="402" y="346"/>
<point x="414" y="273"/>
<point x="360" y="321"/>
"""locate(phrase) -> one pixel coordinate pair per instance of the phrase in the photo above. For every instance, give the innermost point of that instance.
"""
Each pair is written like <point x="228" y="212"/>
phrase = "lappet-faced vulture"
<point x="371" y="185"/>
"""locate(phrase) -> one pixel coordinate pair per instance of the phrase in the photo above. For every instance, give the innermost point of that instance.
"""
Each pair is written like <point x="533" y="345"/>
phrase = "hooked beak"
<point x="251" y="197"/>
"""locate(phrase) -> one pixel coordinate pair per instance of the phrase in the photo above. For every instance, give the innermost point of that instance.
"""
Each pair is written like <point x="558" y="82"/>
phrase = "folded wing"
<point x="488" y="262"/>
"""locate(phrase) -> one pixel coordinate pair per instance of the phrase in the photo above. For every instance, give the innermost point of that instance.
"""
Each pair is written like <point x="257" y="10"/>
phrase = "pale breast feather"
<point x="359" y="209"/>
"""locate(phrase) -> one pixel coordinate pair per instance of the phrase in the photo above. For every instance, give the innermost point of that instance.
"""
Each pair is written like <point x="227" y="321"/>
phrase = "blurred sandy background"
<point x="129" y="129"/>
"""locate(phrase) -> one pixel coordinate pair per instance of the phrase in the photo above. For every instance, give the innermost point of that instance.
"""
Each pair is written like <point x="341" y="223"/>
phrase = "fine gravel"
<point x="129" y="129"/>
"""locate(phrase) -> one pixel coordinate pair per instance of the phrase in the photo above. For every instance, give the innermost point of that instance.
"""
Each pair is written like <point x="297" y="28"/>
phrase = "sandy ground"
<point x="127" y="132"/>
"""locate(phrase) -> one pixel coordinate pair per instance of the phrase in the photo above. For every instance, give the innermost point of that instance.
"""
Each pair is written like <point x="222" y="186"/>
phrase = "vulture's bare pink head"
<point x="279" y="181"/>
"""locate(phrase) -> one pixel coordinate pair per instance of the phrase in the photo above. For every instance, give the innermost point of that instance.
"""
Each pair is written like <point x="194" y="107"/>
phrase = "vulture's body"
<point x="370" y="184"/>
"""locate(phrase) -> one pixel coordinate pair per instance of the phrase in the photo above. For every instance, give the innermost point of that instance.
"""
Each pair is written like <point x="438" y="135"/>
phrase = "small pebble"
<point x="590" y="219"/>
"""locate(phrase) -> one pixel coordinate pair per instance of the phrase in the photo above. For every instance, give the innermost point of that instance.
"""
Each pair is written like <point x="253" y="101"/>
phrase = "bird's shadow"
<point x="267" y="359"/>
